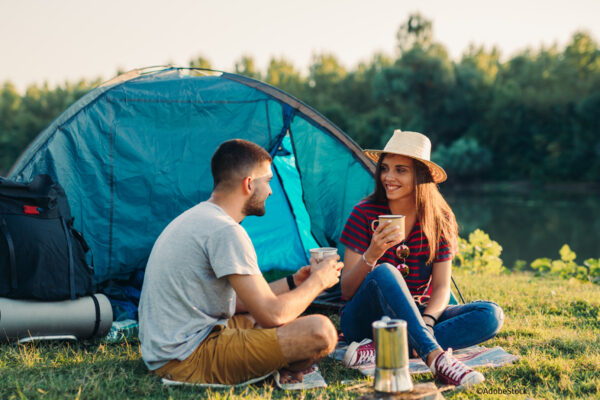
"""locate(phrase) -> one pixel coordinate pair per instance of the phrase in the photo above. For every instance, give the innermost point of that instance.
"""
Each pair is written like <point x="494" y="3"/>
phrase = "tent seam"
<point x="310" y="113"/>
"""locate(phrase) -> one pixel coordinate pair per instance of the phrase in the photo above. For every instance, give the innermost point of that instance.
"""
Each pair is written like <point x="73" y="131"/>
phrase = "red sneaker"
<point x="360" y="354"/>
<point x="449" y="370"/>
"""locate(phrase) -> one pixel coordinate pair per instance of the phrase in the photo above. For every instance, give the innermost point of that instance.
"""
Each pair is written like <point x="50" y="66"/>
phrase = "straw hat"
<point x="414" y="145"/>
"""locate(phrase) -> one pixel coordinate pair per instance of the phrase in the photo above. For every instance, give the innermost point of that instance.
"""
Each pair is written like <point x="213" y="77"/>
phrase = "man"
<point x="203" y="269"/>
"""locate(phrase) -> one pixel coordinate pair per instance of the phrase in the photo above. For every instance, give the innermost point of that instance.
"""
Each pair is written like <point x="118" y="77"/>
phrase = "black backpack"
<point x="41" y="256"/>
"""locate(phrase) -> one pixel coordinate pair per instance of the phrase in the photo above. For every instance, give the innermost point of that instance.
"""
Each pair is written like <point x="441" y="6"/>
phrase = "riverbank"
<point x="521" y="187"/>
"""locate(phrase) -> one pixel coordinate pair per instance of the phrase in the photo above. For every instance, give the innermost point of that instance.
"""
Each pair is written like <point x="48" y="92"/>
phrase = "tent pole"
<point x="458" y="290"/>
<point x="288" y="113"/>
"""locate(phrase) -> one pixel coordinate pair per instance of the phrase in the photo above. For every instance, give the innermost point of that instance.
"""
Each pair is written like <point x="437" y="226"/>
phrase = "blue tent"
<point x="135" y="152"/>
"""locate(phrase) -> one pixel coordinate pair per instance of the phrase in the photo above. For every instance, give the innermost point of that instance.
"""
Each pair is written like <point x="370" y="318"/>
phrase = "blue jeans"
<point x="384" y="292"/>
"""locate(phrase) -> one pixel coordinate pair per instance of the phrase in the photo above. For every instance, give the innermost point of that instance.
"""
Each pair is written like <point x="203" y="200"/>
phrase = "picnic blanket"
<point x="311" y="380"/>
<point x="474" y="356"/>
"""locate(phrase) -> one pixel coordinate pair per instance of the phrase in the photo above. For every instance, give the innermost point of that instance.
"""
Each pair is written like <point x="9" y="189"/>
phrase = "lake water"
<point x="529" y="225"/>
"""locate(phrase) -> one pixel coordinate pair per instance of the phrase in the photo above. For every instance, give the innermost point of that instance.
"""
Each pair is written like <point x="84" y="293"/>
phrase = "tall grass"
<point x="553" y="325"/>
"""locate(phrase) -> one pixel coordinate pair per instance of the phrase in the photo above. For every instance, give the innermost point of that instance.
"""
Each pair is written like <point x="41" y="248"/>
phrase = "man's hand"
<point x="327" y="271"/>
<point x="301" y="275"/>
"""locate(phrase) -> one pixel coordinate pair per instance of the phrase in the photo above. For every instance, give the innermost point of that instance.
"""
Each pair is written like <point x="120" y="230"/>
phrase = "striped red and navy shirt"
<point x="357" y="236"/>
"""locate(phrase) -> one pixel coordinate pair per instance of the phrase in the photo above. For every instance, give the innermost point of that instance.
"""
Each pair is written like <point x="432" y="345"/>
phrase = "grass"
<point x="553" y="325"/>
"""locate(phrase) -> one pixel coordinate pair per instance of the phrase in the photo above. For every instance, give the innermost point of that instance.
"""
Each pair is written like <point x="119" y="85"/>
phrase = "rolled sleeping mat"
<point x="85" y="317"/>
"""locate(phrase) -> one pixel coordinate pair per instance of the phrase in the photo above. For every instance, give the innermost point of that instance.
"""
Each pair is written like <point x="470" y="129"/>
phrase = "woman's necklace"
<point x="403" y="251"/>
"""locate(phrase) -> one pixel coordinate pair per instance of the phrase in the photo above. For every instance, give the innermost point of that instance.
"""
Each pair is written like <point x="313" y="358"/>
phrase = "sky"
<point x="55" y="41"/>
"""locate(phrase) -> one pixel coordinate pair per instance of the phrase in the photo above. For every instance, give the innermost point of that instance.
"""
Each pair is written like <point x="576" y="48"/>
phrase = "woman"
<point x="409" y="277"/>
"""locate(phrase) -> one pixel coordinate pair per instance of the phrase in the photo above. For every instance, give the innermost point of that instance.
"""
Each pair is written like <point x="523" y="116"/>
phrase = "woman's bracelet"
<point x="432" y="317"/>
<point x="430" y="326"/>
<point x="366" y="262"/>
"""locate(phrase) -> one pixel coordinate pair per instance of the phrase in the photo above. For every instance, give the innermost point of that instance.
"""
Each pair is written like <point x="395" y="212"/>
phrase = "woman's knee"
<point x="492" y="315"/>
<point x="384" y="269"/>
<point x="385" y="272"/>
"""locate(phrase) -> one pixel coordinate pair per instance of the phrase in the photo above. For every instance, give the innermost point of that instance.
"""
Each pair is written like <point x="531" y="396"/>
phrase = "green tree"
<point x="10" y="101"/>
<point x="417" y="88"/>
<point x="246" y="66"/>
<point x="324" y="88"/>
<point x="326" y="71"/>
<point x="472" y="94"/>
<point x="368" y="119"/>
<point x="533" y="122"/>
<point x="464" y="158"/>
<point x="282" y="74"/>
<point x="417" y="31"/>
<point x="24" y="117"/>
<point x="200" y="62"/>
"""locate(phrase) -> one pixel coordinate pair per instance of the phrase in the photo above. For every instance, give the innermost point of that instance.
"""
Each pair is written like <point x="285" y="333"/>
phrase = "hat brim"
<point x="437" y="173"/>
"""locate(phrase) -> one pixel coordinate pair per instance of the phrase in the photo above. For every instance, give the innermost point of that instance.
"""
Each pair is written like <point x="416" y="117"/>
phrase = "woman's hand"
<point x="384" y="237"/>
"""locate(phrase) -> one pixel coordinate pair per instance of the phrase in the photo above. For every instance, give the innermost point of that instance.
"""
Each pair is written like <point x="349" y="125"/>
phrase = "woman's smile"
<point x="389" y="188"/>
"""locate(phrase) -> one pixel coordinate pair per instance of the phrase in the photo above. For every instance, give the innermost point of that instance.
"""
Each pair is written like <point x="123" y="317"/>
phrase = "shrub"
<point x="567" y="268"/>
<point x="519" y="265"/>
<point x="479" y="253"/>
<point x="593" y="266"/>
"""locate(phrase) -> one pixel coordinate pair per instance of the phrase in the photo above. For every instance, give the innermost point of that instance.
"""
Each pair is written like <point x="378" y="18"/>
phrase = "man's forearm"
<point x="290" y="304"/>
<point x="279" y="286"/>
<point x="274" y="304"/>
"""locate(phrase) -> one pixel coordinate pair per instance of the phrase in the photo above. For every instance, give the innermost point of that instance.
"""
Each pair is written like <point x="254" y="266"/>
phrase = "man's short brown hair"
<point x="234" y="159"/>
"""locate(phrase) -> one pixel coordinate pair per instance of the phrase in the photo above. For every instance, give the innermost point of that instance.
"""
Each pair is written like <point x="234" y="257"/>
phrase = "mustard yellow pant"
<point x="229" y="355"/>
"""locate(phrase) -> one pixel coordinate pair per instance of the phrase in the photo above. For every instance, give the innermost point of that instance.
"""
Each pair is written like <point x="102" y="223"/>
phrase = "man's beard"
<point x="254" y="206"/>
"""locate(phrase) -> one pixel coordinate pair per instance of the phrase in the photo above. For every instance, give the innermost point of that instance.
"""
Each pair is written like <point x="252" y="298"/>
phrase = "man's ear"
<point x="247" y="185"/>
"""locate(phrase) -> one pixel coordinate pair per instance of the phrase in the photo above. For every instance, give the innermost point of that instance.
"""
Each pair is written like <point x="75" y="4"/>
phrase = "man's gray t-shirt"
<point x="186" y="291"/>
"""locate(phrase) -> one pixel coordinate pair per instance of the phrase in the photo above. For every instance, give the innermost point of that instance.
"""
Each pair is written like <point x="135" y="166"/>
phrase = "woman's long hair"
<point x="433" y="212"/>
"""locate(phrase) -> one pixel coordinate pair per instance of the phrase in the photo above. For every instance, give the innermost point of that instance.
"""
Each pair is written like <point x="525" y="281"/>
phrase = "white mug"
<point x="321" y="253"/>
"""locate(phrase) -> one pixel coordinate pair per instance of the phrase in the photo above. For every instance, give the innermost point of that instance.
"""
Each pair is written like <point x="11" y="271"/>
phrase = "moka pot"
<point x="391" y="354"/>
